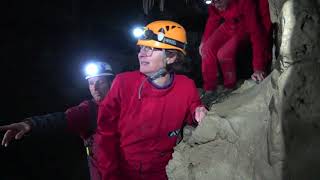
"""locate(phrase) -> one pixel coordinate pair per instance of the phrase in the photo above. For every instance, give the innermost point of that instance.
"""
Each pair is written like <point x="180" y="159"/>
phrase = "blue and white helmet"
<point x="98" y="68"/>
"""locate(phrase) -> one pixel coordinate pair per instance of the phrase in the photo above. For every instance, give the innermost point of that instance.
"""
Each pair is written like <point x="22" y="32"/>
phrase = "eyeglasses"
<point x="148" y="50"/>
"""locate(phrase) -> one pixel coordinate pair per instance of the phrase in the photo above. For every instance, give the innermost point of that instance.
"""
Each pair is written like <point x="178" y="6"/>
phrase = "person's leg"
<point x="227" y="59"/>
<point x="209" y="58"/>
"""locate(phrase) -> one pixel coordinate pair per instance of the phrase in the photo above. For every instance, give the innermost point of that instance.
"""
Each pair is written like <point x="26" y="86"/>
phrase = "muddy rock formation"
<point x="269" y="130"/>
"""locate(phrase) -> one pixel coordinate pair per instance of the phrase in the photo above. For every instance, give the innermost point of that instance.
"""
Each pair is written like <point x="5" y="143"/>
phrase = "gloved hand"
<point x="14" y="131"/>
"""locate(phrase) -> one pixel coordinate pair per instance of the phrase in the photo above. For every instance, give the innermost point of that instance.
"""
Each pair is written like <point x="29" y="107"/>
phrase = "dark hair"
<point x="180" y="66"/>
<point x="109" y="79"/>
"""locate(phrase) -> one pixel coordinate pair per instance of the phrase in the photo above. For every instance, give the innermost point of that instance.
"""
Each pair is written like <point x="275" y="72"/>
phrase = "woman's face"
<point x="151" y="60"/>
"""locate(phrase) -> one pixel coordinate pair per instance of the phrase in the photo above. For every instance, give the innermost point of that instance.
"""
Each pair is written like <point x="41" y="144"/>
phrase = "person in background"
<point x="81" y="119"/>
<point x="231" y="24"/>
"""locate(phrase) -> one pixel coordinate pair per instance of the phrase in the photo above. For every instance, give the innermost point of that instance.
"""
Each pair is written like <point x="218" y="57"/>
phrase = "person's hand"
<point x="14" y="131"/>
<point x="200" y="49"/>
<point x="258" y="76"/>
<point x="200" y="113"/>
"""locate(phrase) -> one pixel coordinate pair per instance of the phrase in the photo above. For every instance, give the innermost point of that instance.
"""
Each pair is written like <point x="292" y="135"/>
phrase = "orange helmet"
<point x="164" y="35"/>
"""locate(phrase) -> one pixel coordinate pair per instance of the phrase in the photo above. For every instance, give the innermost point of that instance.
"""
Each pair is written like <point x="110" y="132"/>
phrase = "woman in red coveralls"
<point x="230" y="23"/>
<point x="140" y="118"/>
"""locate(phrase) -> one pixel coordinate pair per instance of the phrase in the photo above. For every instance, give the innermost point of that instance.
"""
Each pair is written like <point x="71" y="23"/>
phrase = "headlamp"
<point x="94" y="69"/>
<point x="208" y="1"/>
<point x="91" y="69"/>
<point x="138" y="32"/>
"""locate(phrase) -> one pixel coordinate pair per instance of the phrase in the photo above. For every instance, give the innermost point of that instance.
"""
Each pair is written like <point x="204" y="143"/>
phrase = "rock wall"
<point x="270" y="130"/>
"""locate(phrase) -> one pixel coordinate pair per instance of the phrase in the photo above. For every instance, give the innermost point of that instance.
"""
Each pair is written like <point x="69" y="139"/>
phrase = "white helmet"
<point x="98" y="68"/>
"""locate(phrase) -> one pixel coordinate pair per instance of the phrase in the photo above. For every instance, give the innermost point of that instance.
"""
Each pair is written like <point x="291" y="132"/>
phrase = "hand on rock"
<point x="200" y="113"/>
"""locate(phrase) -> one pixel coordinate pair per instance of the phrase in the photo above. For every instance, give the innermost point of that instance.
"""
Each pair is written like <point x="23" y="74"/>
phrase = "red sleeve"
<point x="213" y="23"/>
<point x="107" y="133"/>
<point x="194" y="103"/>
<point x="258" y="35"/>
<point x="78" y="119"/>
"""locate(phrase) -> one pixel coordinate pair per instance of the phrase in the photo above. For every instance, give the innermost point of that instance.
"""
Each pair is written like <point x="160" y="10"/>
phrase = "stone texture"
<point x="270" y="130"/>
<point x="231" y="143"/>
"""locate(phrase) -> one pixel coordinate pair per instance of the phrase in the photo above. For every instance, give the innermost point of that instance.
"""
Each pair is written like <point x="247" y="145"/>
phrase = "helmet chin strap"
<point x="160" y="73"/>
